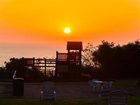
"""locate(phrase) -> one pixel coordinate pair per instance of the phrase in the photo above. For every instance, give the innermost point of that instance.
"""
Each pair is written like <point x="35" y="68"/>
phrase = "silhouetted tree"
<point x="15" y="65"/>
<point x="118" y="61"/>
<point x="113" y="61"/>
<point x="88" y="65"/>
<point x="87" y="56"/>
<point x="103" y="57"/>
<point x="3" y="73"/>
<point x="131" y="59"/>
<point x="18" y="65"/>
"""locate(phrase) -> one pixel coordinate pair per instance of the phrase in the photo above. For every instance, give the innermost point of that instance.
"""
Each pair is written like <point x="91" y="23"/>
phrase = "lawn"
<point x="80" y="101"/>
<point x="125" y="83"/>
<point x="56" y="102"/>
<point x="133" y="100"/>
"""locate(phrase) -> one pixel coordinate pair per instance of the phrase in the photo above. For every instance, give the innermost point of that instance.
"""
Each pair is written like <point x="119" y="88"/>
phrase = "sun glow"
<point x="67" y="30"/>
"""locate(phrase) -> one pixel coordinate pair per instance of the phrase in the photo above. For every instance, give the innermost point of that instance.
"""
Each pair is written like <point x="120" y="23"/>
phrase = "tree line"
<point x="114" y="61"/>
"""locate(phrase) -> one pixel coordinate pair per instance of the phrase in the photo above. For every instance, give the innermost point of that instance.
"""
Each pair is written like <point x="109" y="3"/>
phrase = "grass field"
<point x="133" y="100"/>
<point x="77" y="101"/>
<point x="125" y="83"/>
<point x="56" y="102"/>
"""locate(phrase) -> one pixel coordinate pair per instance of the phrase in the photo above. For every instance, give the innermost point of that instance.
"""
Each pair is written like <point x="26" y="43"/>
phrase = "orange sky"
<point x="35" y="27"/>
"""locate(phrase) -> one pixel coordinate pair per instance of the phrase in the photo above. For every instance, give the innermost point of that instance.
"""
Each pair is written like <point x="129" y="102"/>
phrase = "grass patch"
<point x="125" y="83"/>
<point x="134" y="100"/>
<point x="79" y="101"/>
<point x="56" y="102"/>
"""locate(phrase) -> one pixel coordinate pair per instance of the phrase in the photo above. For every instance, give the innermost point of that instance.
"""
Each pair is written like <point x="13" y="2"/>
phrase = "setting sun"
<point x="33" y="28"/>
<point x="67" y="30"/>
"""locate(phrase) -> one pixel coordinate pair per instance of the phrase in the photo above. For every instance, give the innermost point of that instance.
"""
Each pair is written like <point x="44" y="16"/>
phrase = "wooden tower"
<point x="68" y="65"/>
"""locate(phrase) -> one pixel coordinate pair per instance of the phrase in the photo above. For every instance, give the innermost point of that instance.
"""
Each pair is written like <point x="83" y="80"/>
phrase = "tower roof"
<point x="74" y="45"/>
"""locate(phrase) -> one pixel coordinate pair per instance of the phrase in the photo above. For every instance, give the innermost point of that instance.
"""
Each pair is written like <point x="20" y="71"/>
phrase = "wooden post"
<point x="45" y="67"/>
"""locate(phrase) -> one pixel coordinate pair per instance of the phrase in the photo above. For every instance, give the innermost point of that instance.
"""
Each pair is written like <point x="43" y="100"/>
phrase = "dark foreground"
<point x="76" y="101"/>
<point x="71" y="93"/>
